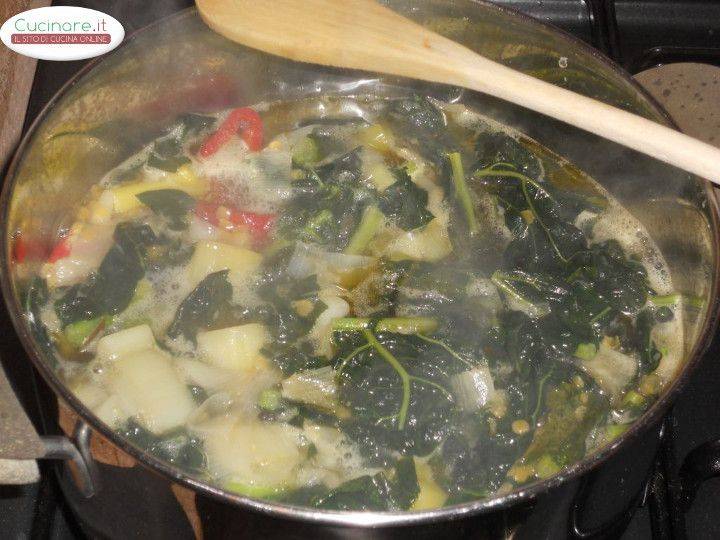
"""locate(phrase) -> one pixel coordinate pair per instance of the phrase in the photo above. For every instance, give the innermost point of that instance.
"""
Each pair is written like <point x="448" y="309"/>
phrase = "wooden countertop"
<point x="16" y="76"/>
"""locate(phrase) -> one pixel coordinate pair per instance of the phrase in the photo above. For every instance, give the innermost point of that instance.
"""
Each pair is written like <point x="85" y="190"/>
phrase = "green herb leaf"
<point x="405" y="203"/>
<point x="202" y="307"/>
<point x="172" y="204"/>
<point x="108" y="291"/>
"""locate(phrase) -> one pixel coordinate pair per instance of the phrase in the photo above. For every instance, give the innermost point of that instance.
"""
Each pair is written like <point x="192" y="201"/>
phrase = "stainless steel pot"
<point x="178" y="65"/>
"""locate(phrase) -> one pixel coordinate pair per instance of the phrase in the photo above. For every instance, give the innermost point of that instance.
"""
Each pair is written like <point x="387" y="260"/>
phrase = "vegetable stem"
<point x="397" y="366"/>
<point x="462" y="192"/>
<point x="541" y="387"/>
<point x="447" y="348"/>
<point x="671" y="299"/>
<point x="665" y="300"/>
<point x="600" y="315"/>
<point x="524" y="181"/>
<point x="369" y="224"/>
<point x="344" y="361"/>
<point x="398" y="325"/>
<point x="503" y="282"/>
<point x="422" y="380"/>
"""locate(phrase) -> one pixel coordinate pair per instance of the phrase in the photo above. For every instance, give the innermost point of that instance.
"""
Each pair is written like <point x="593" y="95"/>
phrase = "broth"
<point x="397" y="305"/>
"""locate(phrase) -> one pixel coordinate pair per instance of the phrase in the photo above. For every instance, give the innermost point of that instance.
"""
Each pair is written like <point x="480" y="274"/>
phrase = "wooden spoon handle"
<point x="362" y="34"/>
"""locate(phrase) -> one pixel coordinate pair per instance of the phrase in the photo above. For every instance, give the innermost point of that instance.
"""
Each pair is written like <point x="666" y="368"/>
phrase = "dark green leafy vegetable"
<point x="177" y="448"/>
<point x="108" y="291"/>
<point x="328" y="203"/>
<point x="497" y="147"/>
<point x="423" y="125"/>
<point x="469" y="466"/>
<point x="207" y="303"/>
<point x="326" y="143"/>
<point x="362" y="493"/>
<point x="167" y="152"/>
<point x="397" y="388"/>
<point x="172" y="204"/>
<point x="405" y="203"/>
<point x="650" y="356"/>
<point x="193" y="123"/>
<point x="569" y="419"/>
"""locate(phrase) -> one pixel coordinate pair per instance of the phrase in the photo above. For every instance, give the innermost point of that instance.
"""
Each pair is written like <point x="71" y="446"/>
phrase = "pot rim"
<point x="353" y="518"/>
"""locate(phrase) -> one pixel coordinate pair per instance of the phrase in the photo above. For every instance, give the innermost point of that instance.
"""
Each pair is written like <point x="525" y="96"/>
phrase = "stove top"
<point x="638" y="34"/>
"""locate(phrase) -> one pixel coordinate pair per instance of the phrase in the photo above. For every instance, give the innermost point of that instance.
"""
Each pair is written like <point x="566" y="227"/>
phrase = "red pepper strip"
<point x="259" y="225"/>
<point x="28" y="249"/>
<point x="244" y="119"/>
<point x="207" y="211"/>
<point x="19" y="250"/>
<point x="60" y="251"/>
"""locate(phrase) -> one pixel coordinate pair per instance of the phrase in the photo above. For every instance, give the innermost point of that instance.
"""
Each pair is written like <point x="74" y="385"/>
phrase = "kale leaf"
<point x="202" y="308"/>
<point x="397" y="387"/>
<point x="650" y="356"/>
<point x="405" y="203"/>
<point x="108" y="290"/>
<point x="417" y="114"/>
<point x="497" y="147"/>
<point x="327" y="203"/>
<point x="167" y="151"/>
<point x="171" y="204"/>
<point x="167" y="154"/>
<point x="423" y="126"/>
<point x="472" y="467"/>
<point x="177" y="448"/>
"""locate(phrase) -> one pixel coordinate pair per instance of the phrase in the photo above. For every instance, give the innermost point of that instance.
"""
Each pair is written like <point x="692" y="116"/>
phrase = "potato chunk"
<point x="236" y="347"/>
<point x="212" y="257"/>
<point x="150" y="389"/>
<point x="124" y="342"/>
<point x="255" y="458"/>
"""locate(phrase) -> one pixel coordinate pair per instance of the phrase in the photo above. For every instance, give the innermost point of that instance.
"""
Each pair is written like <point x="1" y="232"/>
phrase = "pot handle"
<point x="702" y="463"/>
<point x="21" y="446"/>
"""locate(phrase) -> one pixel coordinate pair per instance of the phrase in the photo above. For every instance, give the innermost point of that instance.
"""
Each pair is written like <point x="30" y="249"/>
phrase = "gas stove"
<point x="673" y="48"/>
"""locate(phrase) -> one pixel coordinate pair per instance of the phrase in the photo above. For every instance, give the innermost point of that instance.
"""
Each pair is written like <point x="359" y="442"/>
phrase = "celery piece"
<point x="585" y="351"/>
<point x="77" y="332"/>
<point x="545" y="467"/>
<point x="369" y="224"/>
<point x="306" y="152"/>
<point x="462" y="192"/>
<point x="269" y="400"/>
<point x="399" y="325"/>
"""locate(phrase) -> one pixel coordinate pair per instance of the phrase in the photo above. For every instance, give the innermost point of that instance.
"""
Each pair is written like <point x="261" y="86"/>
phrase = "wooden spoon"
<point x="362" y="34"/>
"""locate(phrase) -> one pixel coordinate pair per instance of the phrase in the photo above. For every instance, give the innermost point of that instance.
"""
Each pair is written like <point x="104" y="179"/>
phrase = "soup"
<point x="397" y="304"/>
